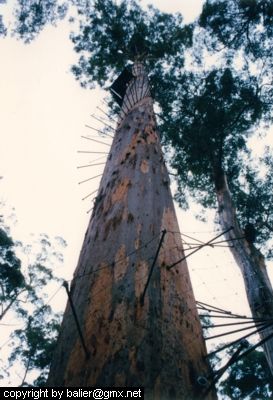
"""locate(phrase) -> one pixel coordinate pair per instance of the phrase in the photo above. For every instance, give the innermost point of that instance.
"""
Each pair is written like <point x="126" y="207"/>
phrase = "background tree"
<point x="212" y="117"/>
<point x="33" y="345"/>
<point x="248" y="378"/>
<point x="26" y="277"/>
<point x="12" y="281"/>
<point x="255" y="199"/>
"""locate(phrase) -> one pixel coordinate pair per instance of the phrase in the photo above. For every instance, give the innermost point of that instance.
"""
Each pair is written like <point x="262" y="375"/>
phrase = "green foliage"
<point x="242" y="24"/>
<point x="254" y="195"/>
<point x="3" y="29"/>
<point x="12" y="282"/>
<point x="248" y="378"/>
<point x="108" y="38"/>
<point x="25" y="278"/>
<point x="209" y="120"/>
<point x="33" y="345"/>
<point x="5" y="240"/>
<point x="32" y="16"/>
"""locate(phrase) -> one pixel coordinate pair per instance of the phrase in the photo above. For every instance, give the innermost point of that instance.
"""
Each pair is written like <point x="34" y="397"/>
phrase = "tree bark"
<point x="156" y="343"/>
<point x="250" y="261"/>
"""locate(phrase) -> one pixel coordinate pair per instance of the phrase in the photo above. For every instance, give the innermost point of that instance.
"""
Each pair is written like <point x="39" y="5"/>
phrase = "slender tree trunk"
<point x="250" y="261"/>
<point x="155" y="342"/>
<point x="26" y="371"/>
<point x="12" y="301"/>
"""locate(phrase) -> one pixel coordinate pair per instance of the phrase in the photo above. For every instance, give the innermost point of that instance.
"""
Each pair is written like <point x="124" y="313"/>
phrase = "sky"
<point x="43" y="116"/>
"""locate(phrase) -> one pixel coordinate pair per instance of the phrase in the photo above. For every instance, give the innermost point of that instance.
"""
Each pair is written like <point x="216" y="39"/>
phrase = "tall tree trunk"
<point x="250" y="260"/>
<point x="156" y="343"/>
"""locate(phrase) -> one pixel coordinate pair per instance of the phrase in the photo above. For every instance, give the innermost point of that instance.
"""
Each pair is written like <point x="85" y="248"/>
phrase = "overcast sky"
<point x="43" y="115"/>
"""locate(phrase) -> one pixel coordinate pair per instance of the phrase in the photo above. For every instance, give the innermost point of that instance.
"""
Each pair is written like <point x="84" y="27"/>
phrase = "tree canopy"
<point x="30" y="17"/>
<point x="242" y="24"/>
<point x="25" y="278"/>
<point x="211" y="117"/>
<point x="106" y="44"/>
<point x="248" y="378"/>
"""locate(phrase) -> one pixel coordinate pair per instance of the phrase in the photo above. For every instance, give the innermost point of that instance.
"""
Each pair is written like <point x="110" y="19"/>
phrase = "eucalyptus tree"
<point x="242" y="32"/>
<point x="33" y="345"/>
<point x="26" y="276"/>
<point x="208" y="129"/>
<point x="209" y="122"/>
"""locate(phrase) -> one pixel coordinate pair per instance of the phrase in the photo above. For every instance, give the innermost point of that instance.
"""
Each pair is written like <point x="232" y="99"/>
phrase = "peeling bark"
<point x="250" y="261"/>
<point x="157" y="344"/>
